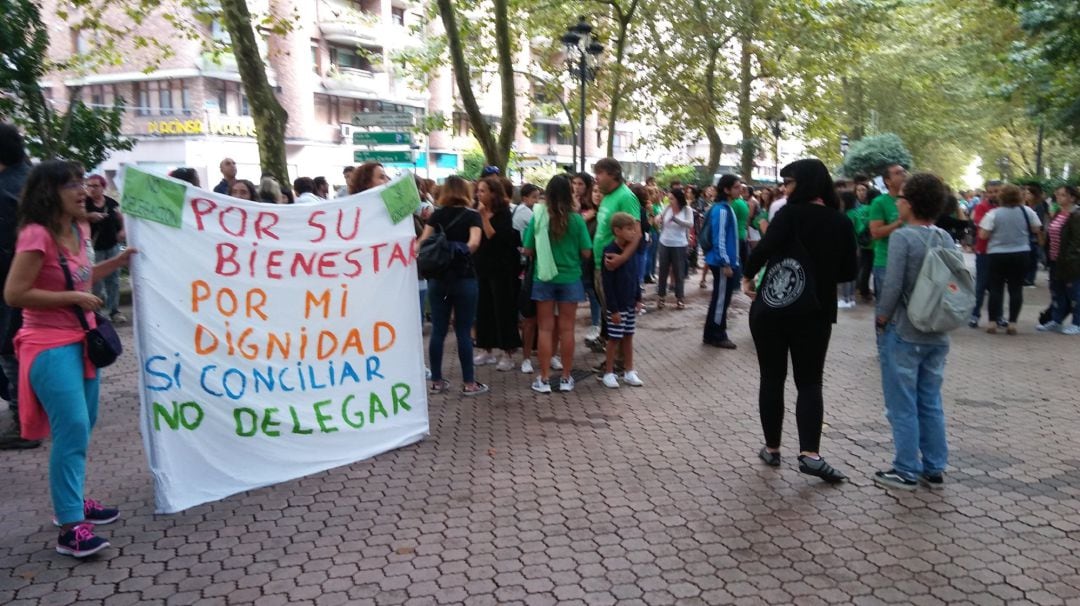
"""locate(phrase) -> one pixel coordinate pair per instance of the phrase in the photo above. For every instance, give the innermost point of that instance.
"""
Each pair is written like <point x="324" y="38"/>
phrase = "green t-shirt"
<point x="622" y="200"/>
<point x="657" y="208"/>
<point x="566" y="250"/>
<point x="742" y="216"/>
<point x="858" y="219"/>
<point x="882" y="208"/>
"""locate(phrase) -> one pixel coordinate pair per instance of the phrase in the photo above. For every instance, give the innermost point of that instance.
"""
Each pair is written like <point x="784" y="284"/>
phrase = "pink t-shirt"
<point x="37" y="238"/>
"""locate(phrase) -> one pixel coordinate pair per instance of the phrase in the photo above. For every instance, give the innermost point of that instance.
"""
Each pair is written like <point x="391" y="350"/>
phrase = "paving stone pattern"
<point x="637" y="496"/>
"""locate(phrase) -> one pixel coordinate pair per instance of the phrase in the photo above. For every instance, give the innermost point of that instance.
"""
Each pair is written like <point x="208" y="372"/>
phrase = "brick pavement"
<point x="640" y="496"/>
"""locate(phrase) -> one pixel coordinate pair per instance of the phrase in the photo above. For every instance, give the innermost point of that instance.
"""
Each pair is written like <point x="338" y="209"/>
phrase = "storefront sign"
<point x="370" y="138"/>
<point x="220" y="126"/>
<point x="383" y="119"/>
<point x="284" y="341"/>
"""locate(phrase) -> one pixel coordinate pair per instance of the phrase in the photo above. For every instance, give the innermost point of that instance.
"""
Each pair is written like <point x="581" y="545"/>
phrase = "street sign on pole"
<point x="383" y="119"/>
<point x="376" y="138"/>
<point x="843" y="145"/>
<point x="384" y="157"/>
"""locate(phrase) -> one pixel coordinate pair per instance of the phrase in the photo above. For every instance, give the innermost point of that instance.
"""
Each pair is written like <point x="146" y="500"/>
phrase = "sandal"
<point x="478" y="389"/>
<point x="438" y="387"/>
<point x="660" y="303"/>
<point x="702" y="285"/>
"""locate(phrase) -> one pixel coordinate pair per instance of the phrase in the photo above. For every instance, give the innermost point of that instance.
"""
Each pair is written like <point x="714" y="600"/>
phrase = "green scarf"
<point x="546" y="269"/>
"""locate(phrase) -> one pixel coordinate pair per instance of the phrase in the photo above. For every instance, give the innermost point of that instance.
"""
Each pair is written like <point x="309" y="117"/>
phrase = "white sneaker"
<point x="1050" y="326"/>
<point x="556" y="363"/>
<point x="483" y="359"/>
<point x="526" y="366"/>
<point x="630" y="378"/>
<point x="504" y="364"/>
<point x="566" y="384"/>
<point x="610" y="381"/>
<point x="541" y="386"/>
<point x="592" y="333"/>
<point x="1071" y="329"/>
<point x="427" y="373"/>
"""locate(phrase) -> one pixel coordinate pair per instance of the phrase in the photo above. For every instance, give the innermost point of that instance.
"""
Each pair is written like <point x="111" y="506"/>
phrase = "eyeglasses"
<point x="77" y="184"/>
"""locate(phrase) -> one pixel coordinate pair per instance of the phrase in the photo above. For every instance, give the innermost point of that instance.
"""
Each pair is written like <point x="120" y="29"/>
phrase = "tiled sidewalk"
<point x="637" y="496"/>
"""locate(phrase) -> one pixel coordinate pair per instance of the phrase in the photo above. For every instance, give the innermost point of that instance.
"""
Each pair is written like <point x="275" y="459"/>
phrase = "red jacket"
<point x="977" y="215"/>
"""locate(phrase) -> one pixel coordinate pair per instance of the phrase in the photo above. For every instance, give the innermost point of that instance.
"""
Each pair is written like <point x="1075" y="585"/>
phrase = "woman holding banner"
<point x="50" y="280"/>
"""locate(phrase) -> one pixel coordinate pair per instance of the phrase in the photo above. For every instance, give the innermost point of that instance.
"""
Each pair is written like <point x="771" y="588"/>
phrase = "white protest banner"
<point x="274" y="341"/>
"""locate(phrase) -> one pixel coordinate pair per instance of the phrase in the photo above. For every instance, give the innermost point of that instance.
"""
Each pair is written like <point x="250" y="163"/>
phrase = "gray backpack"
<point x="944" y="292"/>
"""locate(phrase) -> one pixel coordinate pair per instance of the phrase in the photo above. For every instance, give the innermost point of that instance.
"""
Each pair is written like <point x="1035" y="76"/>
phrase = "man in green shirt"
<point x="742" y="220"/>
<point x="617" y="198"/>
<point x="885" y="219"/>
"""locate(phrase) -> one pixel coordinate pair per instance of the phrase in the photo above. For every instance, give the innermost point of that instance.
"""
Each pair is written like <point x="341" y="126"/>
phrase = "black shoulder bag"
<point x="102" y="343"/>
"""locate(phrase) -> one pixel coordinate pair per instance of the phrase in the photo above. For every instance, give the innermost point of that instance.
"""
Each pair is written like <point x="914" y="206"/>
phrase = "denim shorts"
<point x="573" y="292"/>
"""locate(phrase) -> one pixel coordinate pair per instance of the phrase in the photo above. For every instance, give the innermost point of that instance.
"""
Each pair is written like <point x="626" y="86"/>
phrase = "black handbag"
<point x="102" y="344"/>
<point x="789" y="287"/>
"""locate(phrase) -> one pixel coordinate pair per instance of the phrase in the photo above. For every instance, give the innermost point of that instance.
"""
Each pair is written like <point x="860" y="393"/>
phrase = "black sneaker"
<point x="821" y="469"/>
<point x="772" y="459"/>
<point x="933" y="481"/>
<point x="892" y="479"/>
<point x="80" y="542"/>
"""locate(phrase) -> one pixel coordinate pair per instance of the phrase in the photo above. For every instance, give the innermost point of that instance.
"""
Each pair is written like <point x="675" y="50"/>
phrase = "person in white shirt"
<point x="674" y="222"/>
<point x="522" y="213"/>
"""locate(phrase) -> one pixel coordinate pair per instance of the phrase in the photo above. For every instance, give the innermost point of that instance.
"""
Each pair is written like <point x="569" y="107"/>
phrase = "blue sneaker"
<point x="80" y="542"/>
<point x="95" y="513"/>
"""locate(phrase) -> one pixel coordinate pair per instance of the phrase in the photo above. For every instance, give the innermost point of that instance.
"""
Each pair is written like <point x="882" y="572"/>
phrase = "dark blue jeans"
<point x="982" y="282"/>
<point x="459" y="296"/>
<point x="1065" y="297"/>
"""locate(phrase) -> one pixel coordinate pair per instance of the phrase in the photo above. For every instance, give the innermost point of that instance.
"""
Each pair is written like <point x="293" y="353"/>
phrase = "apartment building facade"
<point x="189" y="108"/>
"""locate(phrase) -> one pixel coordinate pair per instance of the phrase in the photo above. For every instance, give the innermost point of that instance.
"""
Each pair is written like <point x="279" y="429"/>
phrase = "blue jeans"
<point x="108" y="288"/>
<point x="460" y="296"/>
<point x="911" y="378"/>
<point x="71" y="403"/>
<point x="1065" y="298"/>
<point x="650" y="254"/>
<point x="982" y="283"/>
<point x="594" y="302"/>
<point x="879" y="279"/>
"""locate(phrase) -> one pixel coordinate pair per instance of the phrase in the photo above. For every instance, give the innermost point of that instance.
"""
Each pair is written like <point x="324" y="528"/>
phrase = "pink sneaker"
<point x="80" y="541"/>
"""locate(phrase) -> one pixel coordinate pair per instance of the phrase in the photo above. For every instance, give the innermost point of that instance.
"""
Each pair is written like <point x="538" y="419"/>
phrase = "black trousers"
<point x="866" y="267"/>
<point x="497" y="312"/>
<point x="807" y="340"/>
<point x="1007" y="269"/>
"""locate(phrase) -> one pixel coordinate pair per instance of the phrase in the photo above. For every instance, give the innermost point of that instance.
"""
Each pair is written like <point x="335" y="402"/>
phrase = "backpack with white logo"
<point x="944" y="292"/>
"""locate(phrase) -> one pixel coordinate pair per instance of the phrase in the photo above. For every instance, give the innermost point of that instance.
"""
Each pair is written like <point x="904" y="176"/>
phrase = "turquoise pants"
<point x="71" y="402"/>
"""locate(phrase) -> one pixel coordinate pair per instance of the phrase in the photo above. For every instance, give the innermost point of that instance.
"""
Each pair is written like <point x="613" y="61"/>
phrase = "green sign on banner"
<point x="153" y="198"/>
<point x="368" y="138"/>
<point x="401" y="198"/>
<point x="384" y="157"/>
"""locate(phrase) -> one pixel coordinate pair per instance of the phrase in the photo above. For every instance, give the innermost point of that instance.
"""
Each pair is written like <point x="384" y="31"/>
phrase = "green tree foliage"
<point x="871" y="154"/>
<point x="81" y="133"/>
<point x="188" y="18"/>
<point x="683" y="173"/>
<point x="1049" y="59"/>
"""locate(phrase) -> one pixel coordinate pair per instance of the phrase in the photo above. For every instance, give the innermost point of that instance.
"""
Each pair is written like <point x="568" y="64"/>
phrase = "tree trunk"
<point x="746" y="78"/>
<point x="508" y="126"/>
<point x="617" y="83"/>
<point x="270" y="118"/>
<point x="493" y="153"/>
<point x="716" y="146"/>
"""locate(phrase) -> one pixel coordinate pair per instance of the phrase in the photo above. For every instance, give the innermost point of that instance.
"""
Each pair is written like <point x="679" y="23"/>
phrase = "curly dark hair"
<point x="362" y="177"/>
<point x="926" y="194"/>
<point x="41" y="202"/>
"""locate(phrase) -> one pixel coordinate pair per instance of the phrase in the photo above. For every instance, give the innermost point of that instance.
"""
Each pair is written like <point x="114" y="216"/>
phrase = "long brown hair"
<point x="455" y="192"/>
<point x="560" y="204"/>
<point x="498" y="192"/>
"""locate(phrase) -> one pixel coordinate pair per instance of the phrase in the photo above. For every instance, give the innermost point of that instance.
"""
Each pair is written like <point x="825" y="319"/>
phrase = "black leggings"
<point x="1007" y="268"/>
<point x="866" y="267"/>
<point x="808" y="342"/>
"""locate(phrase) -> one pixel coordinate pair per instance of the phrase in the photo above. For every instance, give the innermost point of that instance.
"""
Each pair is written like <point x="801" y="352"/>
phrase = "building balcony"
<point x="356" y="80"/>
<point x="345" y="25"/>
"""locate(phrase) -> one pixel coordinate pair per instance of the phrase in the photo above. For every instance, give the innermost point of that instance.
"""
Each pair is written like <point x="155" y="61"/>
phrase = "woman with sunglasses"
<point x="58" y="387"/>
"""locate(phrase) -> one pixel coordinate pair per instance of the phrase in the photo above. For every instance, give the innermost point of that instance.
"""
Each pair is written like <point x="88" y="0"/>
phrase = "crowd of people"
<point x="521" y="261"/>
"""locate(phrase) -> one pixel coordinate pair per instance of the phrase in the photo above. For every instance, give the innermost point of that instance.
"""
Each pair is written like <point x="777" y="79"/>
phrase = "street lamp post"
<point x="582" y="50"/>
<point x="774" y="127"/>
